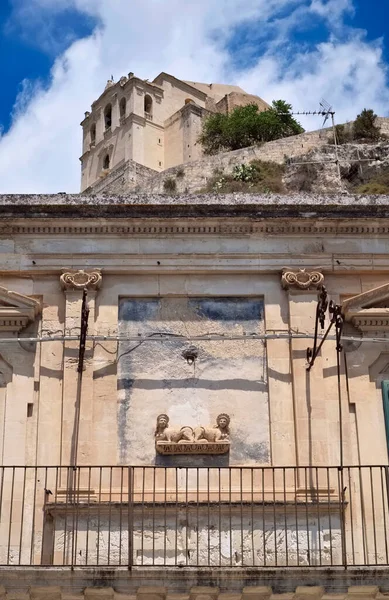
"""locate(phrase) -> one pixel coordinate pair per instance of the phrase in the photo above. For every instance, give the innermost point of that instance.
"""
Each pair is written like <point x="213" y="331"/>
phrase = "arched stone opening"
<point x="122" y="107"/>
<point x="148" y="104"/>
<point x="108" y="116"/>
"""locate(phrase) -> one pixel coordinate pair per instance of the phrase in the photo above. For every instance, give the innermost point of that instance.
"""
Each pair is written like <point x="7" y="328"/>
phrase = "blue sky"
<point x="24" y="57"/>
<point x="56" y="56"/>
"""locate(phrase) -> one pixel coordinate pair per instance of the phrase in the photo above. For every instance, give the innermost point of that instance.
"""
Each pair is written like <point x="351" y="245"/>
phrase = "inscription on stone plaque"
<point x="192" y="448"/>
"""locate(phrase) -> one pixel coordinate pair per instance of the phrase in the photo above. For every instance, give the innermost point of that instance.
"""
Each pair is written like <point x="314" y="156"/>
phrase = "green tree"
<point x="246" y="126"/>
<point x="364" y="126"/>
<point x="213" y="133"/>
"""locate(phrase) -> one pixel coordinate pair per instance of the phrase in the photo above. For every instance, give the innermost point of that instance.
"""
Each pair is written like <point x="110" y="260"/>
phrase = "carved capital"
<point x="79" y="280"/>
<point x="301" y="279"/>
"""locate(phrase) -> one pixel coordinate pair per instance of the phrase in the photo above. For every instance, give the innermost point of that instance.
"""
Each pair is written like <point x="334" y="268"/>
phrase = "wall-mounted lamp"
<point x="190" y="354"/>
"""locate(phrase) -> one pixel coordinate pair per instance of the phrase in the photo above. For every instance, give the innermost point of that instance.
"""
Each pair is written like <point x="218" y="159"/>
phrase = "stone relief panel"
<point x="210" y="397"/>
<point x="186" y="440"/>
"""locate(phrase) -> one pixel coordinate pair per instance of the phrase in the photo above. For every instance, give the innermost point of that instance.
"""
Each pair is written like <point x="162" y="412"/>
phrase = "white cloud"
<point x="188" y="39"/>
<point x="331" y="10"/>
<point x="350" y="75"/>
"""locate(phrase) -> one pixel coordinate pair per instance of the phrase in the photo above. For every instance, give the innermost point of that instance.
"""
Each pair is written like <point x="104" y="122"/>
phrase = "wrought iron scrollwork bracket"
<point x="336" y="319"/>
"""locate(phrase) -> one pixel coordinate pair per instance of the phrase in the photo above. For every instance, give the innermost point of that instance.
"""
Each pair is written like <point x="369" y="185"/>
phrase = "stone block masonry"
<point x="128" y="175"/>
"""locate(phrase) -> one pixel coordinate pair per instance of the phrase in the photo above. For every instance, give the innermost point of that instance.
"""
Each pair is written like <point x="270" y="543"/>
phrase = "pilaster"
<point x="309" y="400"/>
<point x="77" y="420"/>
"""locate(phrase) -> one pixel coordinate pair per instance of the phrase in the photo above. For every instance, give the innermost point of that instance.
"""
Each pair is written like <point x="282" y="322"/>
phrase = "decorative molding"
<point x="17" y="310"/>
<point x="369" y="311"/>
<point x="139" y="591"/>
<point x="301" y="279"/>
<point x="371" y="320"/>
<point x="183" y="227"/>
<point x="80" y="280"/>
<point x="171" y="227"/>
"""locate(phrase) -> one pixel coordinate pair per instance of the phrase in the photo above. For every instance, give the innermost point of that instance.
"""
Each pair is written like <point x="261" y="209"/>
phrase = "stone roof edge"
<point x="133" y="198"/>
<point x="185" y="84"/>
<point x="250" y="206"/>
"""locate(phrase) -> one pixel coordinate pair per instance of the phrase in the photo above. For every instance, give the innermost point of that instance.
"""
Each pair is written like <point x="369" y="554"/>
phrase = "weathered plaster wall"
<point x="155" y="378"/>
<point x="187" y="537"/>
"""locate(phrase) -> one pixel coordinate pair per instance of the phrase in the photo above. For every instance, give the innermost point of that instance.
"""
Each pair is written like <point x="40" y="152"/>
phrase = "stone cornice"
<point x="16" y="310"/>
<point x="360" y="215"/>
<point x="373" y="319"/>
<point x="137" y="119"/>
<point x="364" y="310"/>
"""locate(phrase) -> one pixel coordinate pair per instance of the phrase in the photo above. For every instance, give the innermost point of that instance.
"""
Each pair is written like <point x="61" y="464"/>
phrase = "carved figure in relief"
<point x="164" y="433"/>
<point x="218" y="433"/>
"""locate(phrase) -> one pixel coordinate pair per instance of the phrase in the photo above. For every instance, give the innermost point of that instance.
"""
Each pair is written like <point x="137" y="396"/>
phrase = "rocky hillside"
<point x="363" y="168"/>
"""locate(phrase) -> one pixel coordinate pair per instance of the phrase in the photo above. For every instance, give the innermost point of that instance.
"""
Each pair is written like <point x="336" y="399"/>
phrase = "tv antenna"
<point x="328" y="112"/>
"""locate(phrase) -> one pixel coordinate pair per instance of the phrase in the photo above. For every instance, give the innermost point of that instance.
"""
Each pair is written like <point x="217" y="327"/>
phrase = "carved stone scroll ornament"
<point x="301" y="279"/>
<point x="186" y="440"/>
<point x="79" y="280"/>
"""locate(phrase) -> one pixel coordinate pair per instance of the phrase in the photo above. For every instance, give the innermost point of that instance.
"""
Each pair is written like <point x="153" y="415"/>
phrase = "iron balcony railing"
<point x="194" y="517"/>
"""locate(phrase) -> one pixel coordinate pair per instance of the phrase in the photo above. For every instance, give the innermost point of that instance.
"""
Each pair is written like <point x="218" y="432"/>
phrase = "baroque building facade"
<point x="138" y="128"/>
<point x="164" y="428"/>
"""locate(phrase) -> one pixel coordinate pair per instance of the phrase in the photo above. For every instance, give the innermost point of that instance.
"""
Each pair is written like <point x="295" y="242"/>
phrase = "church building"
<point x="138" y="128"/>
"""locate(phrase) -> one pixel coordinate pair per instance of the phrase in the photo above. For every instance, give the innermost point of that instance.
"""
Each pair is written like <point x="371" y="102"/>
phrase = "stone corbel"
<point x="17" y="310"/>
<point x="301" y="279"/>
<point x="77" y="281"/>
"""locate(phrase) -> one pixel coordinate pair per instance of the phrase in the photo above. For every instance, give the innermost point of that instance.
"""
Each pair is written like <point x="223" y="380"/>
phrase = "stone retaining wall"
<point x="193" y="176"/>
<point x="125" y="177"/>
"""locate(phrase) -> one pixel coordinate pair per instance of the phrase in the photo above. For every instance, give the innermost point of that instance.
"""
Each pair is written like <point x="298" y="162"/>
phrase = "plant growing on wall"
<point x="246" y="126"/>
<point x="257" y="176"/>
<point x="364" y="126"/>
<point x="170" y="185"/>
<point x="245" y="173"/>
